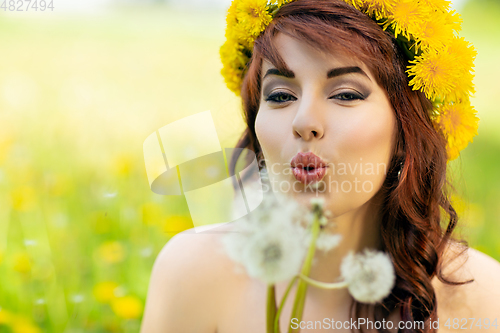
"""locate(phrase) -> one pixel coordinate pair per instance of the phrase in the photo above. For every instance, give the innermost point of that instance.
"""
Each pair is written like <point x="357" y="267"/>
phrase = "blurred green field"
<point x="79" y="226"/>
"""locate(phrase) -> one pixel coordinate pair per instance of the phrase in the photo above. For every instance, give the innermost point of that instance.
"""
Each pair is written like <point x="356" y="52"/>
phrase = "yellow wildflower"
<point x="232" y="78"/>
<point x="458" y="122"/>
<point x="253" y="16"/>
<point x="127" y="307"/>
<point x="5" y="317"/>
<point x="434" y="32"/>
<point x="22" y="263"/>
<point x="406" y="17"/>
<point x="104" y="291"/>
<point x="232" y="54"/>
<point x="379" y="9"/>
<point x="464" y="54"/>
<point x="23" y="325"/>
<point x="464" y="50"/>
<point x="234" y="63"/>
<point x="435" y="73"/>
<point x="177" y="223"/>
<point x="454" y="20"/>
<point x="23" y="198"/>
<point x="234" y="29"/>
<point x="123" y="164"/>
<point x="437" y="5"/>
<point x="111" y="252"/>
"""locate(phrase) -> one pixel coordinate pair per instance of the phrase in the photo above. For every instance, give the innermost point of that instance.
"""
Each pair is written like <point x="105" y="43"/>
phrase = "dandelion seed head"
<point x="370" y="275"/>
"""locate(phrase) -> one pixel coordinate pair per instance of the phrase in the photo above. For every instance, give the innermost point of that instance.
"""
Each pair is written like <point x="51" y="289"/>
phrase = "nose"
<point x="308" y="123"/>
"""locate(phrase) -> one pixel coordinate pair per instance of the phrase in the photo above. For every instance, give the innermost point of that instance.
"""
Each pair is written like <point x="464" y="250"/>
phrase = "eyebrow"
<point x="331" y="73"/>
<point x="345" y="70"/>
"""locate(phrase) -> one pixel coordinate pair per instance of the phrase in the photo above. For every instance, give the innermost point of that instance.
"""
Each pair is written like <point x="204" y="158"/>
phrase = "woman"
<point x="328" y="86"/>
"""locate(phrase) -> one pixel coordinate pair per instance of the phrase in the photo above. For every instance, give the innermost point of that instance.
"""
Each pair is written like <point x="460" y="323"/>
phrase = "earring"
<point x="261" y="162"/>
<point x="400" y="168"/>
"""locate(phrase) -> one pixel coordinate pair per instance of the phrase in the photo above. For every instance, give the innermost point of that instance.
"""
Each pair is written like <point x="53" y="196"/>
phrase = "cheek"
<point x="270" y="133"/>
<point x="370" y="137"/>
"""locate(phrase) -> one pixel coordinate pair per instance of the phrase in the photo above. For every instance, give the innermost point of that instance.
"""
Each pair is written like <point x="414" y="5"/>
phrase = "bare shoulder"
<point x="187" y="284"/>
<point x="479" y="298"/>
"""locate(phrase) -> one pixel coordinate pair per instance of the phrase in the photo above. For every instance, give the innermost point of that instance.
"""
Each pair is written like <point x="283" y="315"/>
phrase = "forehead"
<point x="302" y="57"/>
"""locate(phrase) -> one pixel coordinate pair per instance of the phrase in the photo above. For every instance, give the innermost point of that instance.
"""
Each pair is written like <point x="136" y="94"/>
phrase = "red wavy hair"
<point x="411" y="228"/>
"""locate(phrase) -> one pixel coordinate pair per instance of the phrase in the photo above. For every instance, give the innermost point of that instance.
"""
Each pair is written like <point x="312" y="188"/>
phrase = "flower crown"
<point x="441" y="63"/>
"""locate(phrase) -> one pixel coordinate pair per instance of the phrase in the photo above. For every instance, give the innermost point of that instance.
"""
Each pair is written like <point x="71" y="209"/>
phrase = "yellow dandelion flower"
<point x="438" y="5"/>
<point x="434" y="32"/>
<point x="22" y="263"/>
<point x="454" y="20"/>
<point x="235" y="31"/>
<point x="23" y="198"/>
<point x="240" y="36"/>
<point x="5" y="317"/>
<point x="127" y="307"/>
<point x="464" y="50"/>
<point x="234" y="61"/>
<point x="434" y="73"/>
<point x="233" y="79"/>
<point x="231" y="14"/>
<point x="464" y="55"/>
<point x="458" y="123"/>
<point x="283" y="2"/>
<point x="379" y="9"/>
<point x="104" y="291"/>
<point x="406" y="17"/>
<point x="177" y="223"/>
<point x="23" y="325"/>
<point x="123" y="164"/>
<point x="253" y="16"/>
<point x="111" y="252"/>
<point x="232" y="54"/>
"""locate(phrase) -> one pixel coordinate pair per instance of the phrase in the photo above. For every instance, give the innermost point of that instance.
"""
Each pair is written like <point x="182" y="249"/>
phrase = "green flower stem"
<point x="277" y="319"/>
<point x="300" y="296"/>
<point x="271" y="307"/>
<point x="324" y="285"/>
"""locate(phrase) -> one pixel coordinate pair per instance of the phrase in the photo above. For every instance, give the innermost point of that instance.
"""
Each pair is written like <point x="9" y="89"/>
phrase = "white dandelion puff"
<point x="30" y="242"/>
<point x="369" y="275"/>
<point x="269" y="242"/>
<point x="77" y="298"/>
<point x="326" y="241"/>
<point x="317" y="203"/>
<point x="275" y="254"/>
<point x="323" y="221"/>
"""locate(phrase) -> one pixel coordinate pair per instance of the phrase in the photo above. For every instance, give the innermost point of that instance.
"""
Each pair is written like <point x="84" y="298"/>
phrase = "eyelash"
<point x="273" y="97"/>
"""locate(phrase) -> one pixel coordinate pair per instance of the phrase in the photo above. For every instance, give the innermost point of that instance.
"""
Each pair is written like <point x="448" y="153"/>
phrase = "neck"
<point x="360" y="229"/>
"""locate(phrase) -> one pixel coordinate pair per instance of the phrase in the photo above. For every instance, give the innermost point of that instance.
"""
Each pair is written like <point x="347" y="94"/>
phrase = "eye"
<point x="280" y="97"/>
<point x="348" y="96"/>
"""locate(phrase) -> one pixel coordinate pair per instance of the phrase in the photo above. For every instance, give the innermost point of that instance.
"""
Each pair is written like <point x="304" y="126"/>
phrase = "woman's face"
<point x="330" y="105"/>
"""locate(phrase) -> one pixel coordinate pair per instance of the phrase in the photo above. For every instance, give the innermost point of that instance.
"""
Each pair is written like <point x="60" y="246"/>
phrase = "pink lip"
<point x="308" y="168"/>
